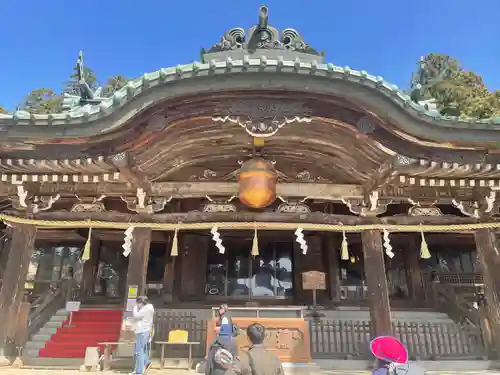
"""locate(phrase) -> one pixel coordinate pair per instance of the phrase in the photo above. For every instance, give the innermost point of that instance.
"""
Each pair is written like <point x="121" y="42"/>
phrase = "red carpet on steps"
<point x="88" y="328"/>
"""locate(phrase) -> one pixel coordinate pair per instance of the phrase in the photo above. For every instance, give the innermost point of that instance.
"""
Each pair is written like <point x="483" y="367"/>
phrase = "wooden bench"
<point x="177" y="337"/>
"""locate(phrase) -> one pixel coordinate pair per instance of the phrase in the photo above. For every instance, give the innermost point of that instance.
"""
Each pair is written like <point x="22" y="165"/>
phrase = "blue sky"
<point x="40" y="40"/>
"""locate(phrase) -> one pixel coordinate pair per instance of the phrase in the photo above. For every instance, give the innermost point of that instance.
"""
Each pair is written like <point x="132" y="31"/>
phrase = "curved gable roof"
<point x="264" y="59"/>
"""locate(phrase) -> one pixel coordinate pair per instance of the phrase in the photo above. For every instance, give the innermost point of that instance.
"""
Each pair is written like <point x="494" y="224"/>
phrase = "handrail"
<point x="454" y="304"/>
<point x="52" y="300"/>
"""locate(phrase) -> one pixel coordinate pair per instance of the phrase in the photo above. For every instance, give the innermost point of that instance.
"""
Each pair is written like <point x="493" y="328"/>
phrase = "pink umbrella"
<point x="389" y="349"/>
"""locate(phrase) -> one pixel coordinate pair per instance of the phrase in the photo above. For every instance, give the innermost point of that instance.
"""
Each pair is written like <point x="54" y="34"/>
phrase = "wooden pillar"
<point x="138" y="260"/>
<point x="168" y="272"/>
<point x="378" y="294"/>
<point x="11" y="294"/>
<point x="488" y="260"/>
<point x="90" y="269"/>
<point x="193" y="266"/>
<point x="4" y="252"/>
<point x="414" y="280"/>
<point x="331" y="248"/>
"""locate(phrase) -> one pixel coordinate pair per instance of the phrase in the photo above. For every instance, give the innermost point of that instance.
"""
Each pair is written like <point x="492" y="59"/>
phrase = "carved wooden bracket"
<point x="219" y="205"/>
<point x="89" y="204"/>
<point x="424" y="208"/>
<point x="23" y="202"/>
<point x="371" y="206"/>
<point x="468" y="208"/>
<point x="484" y="207"/>
<point x="293" y="206"/>
<point x="142" y="204"/>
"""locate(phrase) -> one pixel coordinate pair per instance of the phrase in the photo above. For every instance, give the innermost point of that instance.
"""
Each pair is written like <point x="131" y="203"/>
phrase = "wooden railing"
<point x="197" y="329"/>
<point x="459" y="306"/>
<point x="424" y="341"/>
<point x="47" y="305"/>
<point x="350" y="339"/>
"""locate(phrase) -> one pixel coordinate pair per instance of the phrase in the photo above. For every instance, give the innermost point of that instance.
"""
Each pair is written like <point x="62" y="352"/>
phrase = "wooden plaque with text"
<point x="313" y="280"/>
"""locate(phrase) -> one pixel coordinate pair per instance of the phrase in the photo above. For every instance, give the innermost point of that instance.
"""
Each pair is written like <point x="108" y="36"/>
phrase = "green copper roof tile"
<point x="245" y="65"/>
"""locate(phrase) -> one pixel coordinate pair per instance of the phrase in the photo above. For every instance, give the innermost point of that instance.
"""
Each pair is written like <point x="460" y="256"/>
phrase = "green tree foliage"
<point x="458" y="92"/>
<point x="3" y="110"/>
<point x="45" y="100"/>
<point x="114" y="84"/>
<point x="71" y="86"/>
<point x="42" y="101"/>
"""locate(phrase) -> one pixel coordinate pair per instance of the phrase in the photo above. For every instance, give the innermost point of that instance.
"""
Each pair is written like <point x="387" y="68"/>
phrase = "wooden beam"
<point x="179" y="190"/>
<point x="378" y="293"/>
<point x="201" y="217"/>
<point x="382" y="176"/>
<point x="135" y="178"/>
<point x="271" y="217"/>
<point x="11" y="293"/>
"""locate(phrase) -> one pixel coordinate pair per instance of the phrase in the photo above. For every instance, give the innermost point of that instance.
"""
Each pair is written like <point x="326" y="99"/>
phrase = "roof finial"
<point x="83" y="87"/>
<point x="263" y="17"/>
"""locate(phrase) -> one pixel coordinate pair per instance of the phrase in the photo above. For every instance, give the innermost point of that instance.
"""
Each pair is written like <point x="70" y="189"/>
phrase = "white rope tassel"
<point x="218" y="240"/>
<point x="387" y="244"/>
<point x="344" y="247"/>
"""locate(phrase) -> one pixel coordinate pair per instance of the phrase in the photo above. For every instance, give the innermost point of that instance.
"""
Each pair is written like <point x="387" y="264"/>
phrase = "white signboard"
<point x="131" y="302"/>
<point x="73" y="306"/>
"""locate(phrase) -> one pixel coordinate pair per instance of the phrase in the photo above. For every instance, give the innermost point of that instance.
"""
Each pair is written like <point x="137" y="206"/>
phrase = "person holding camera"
<point x="143" y="316"/>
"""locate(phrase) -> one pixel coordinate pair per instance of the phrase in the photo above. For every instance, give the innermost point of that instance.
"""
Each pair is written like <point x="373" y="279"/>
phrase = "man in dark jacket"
<point x="257" y="360"/>
<point x="222" y="352"/>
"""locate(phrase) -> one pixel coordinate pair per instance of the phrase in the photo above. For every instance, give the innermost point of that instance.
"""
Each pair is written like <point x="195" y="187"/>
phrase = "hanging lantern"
<point x="257" y="180"/>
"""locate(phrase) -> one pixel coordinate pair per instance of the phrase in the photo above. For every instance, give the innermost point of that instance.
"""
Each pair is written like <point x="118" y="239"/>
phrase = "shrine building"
<point x="224" y="180"/>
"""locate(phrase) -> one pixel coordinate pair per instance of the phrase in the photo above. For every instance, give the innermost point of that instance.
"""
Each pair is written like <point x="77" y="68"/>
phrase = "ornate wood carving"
<point x="142" y="204"/>
<point x="371" y="206"/>
<point x="291" y="206"/>
<point x="306" y="176"/>
<point x="287" y="338"/>
<point x="22" y="201"/>
<point x="418" y="210"/>
<point x="89" y="204"/>
<point x="219" y="207"/>
<point x="207" y="175"/>
<point x="264" y="118"/>
<point x="296" y="208"/>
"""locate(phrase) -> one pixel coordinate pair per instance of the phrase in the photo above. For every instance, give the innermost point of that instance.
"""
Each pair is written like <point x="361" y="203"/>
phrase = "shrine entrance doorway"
<point x="238" y="275"/>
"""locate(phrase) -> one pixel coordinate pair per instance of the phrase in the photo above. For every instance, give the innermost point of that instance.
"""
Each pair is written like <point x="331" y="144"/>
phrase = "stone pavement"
<point x="11" y="371"/>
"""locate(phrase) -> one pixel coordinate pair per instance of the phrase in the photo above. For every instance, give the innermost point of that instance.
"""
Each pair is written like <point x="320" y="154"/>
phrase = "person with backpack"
<point x="257" y="360"/>
<point x="222" y="352"/>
